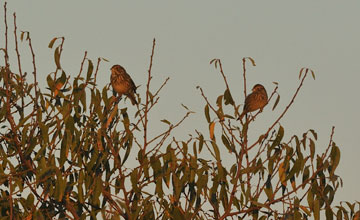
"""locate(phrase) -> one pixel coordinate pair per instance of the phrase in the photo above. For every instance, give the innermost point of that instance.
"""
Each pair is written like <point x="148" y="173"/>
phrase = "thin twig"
<point x="6" y="38"/>
<point x="34" y="72"/>
<point x="18" y="59"/>
<point x="96" y="72"/>
<point x="148" y="95"/>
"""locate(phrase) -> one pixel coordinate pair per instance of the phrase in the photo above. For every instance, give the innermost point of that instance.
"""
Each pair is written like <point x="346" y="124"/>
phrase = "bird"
<point x="255" y="100"/>
<point x="122" y="83"/>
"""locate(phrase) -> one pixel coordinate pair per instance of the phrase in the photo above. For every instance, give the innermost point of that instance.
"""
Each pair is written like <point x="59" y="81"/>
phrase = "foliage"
<point x="69" y="152"/>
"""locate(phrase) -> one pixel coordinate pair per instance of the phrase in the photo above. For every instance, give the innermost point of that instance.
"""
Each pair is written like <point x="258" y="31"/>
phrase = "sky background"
<point x="281" y="36"/>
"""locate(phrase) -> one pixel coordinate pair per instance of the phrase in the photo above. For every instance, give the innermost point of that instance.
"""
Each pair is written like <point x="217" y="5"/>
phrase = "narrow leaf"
<point x="52" y="42"/>
<point x="276" y="102"/>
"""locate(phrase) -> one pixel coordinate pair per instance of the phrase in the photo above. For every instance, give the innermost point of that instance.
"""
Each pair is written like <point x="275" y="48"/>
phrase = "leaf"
<point x="30" y="201"/>
<point x="301" y="70"/>
<point x="216" y="150"/>
<point x="314" y="133"/>
<point x="306" y="174"/>
<point x="316" y="209"/>
<point x="228" y="98"/>
<point x="57" y="57"/>
<point x="219" y="101"/>
<point x="201" y="142"/>
<point x="90" y="70"/>
<point x="166" y="121"/>
<point x="282" y="173"/>
<point x="252" y="60"/>
<point x="52" y="42"/>
<point x="335" y="158"/>
<point x="268" y="189"/>
<point x="58" y="86"/>
<point x="307" y="211"/>
<point x="207" y="113"/>
<point x="22" y="35"/>
<point x="111" y="116"/>
<point x="185" y="107"/>
<point x="312" y="148"/>
<point x="216" y="62"/>
<point x="106" y="60"/>
<point x="313" y="74"/>
<point x="310" y="200"/>
<point x="227" y="144"/>
<point x="279" y="137"/>
<point x="293" y="183"/>
<point x="134" y="181"/>
<point x="276" y="102"/>
<point x="211" y="128"/>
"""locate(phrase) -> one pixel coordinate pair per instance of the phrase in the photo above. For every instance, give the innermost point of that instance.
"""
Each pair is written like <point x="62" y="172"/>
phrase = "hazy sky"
<point x="281" y="36"/>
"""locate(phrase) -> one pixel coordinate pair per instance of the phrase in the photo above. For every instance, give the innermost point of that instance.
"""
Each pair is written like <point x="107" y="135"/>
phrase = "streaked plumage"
<point x="122" y="83"/>
<point x="255" y="100"/>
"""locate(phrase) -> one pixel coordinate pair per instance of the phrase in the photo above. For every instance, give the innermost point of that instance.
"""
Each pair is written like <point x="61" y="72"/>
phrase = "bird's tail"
<point x="132" y="97"/>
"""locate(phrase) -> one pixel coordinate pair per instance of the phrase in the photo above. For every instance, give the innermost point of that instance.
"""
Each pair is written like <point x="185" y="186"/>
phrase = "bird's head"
<point x="117" y="68"/>
<point x="258" y="87"/>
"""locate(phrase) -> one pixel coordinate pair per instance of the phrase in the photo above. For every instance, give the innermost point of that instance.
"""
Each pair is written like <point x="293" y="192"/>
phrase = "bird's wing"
<point x="248" y="101"/>
<point x="132" y="84"/>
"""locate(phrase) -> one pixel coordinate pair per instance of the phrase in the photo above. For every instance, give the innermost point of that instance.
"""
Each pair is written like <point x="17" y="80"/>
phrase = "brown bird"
<point x="122" y="83"/>
<point x="255" y="100"/>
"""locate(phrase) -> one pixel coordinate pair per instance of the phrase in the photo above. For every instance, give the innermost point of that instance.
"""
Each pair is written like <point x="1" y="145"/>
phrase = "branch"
<point x="286" y="109"/>
<point x="147" y="95"/>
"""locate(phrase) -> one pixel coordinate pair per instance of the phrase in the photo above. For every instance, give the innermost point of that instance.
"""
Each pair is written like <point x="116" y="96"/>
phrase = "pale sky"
<point x="281" y="36"/>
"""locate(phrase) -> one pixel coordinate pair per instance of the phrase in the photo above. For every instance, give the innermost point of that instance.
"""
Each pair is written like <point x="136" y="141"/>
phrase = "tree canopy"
<point x="71" y="150"/>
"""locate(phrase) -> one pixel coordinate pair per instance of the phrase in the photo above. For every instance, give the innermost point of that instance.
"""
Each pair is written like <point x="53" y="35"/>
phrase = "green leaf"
<point x="30" y="201"/>
<point x="64" y="150"/>
<point x="310" y="200"/>
<point x="314" y="133"/>
<point x="156" y="166"/>
<point x="313" y="74"/>
<point x="228" y="98"/>
<point x="251" y="59"/>
<point x="57" y="57"/>
<point x="159" y="189"/>
<point x="316" y="209"/>
<point x="278" y="138"/>
<point x="306" y="175"/>
<point x="106" y="60"/>
<point x="97" y="191"/>
<point x="207" y="113"/>
<point x="52" y="42"/>
<point x="59" y="187"/>
<point x="312" y="148"/>
<point x="335" y="158"/>
<point x="201" y="142"/>
<point x="166" y="121"/>
<point x="22" y="35"/>
<point x="90" y="70"/>
<point x="301" y="70"/>
<point x="216" y="151"/>
<point x="227" y="144"/>
<point x="268" y="189"/>
<point x="219" y="101"/>
<point x="80" y="188"/>
<point x="134" y="180"/>
<point x="128" y="146"/>
<point x="276" y="102"/>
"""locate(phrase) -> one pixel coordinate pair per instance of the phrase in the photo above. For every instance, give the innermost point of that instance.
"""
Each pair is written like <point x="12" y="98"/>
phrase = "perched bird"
<point x="122" y="83"/>
<point x="255" y="100"/>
